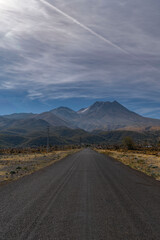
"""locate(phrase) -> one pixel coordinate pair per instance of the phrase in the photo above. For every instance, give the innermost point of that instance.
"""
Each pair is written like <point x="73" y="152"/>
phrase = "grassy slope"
<point x="62" y="135"/>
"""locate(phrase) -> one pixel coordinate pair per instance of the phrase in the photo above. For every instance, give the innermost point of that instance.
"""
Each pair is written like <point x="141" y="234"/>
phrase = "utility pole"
<point x="47" y="139"/>
<point x="80" y="142"/>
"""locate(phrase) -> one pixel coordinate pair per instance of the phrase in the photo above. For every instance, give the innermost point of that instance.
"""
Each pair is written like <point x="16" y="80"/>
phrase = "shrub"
<point x="128" y="143"/>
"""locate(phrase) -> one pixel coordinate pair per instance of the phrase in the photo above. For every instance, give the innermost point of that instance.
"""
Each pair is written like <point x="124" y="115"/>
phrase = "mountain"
<point x="107" y="116"/>
<point x="26" y="126"/>
<point x="4" y="122"/>
<point x="52" y="119"/>
<point x="112" y="116"/>
<point x="102" y="122"/>
<point x="66" y="113"/>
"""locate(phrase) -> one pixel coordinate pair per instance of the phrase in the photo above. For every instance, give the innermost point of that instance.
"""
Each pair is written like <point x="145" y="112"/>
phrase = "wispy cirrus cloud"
<point x="53" y="49"/>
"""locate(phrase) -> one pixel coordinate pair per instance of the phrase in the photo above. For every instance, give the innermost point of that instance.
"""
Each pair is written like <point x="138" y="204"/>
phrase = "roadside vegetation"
<point x="144" y="158"/>
<point x="16" y="163"/>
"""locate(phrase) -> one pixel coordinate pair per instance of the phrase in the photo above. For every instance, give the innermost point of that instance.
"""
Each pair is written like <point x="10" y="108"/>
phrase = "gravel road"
<point x="86" y="196"/>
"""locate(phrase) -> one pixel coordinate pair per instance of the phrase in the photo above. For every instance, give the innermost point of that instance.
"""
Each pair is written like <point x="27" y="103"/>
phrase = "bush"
<point x="128" y="143"/>
<point x="18" y="168"/>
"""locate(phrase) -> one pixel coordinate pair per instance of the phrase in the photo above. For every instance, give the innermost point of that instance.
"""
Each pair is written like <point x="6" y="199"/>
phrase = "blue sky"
<point x="75" y="52"/>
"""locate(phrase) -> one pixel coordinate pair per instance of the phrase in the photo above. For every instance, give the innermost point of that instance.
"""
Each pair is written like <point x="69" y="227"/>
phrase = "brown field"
<point x="14" y="166"/>
<point x="146" y="162"/>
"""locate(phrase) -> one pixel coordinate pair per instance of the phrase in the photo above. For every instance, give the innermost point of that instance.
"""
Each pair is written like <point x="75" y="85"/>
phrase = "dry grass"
<point x="14" y="166"/>
<point x="148" y="162"/>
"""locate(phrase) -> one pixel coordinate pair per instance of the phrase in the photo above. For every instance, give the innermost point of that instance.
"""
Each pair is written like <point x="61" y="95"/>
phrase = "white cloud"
<point x="44" y="50"/>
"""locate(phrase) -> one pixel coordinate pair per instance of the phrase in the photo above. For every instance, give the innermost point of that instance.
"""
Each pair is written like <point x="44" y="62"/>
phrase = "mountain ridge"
<point x="99" y="116"/>
<point x="100" y="123"/>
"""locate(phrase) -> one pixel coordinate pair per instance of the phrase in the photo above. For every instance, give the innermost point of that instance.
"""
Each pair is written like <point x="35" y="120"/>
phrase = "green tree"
<point x="128" y="143"/>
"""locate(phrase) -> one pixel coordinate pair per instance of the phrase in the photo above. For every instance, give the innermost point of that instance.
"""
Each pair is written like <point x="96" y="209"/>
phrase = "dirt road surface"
<point x="86" y="196"/>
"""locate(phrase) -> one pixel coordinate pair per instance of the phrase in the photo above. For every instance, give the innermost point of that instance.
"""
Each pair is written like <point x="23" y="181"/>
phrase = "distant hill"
<point x="98" y="123"/>
<point x="19" y="116"/>
<point x="65" y="136"/>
